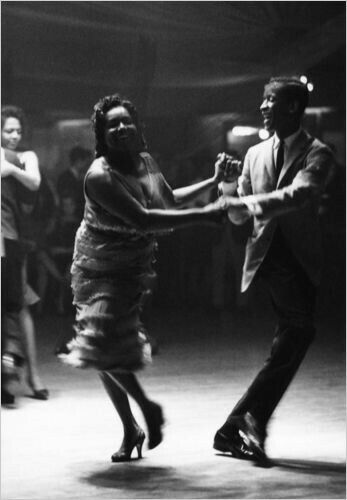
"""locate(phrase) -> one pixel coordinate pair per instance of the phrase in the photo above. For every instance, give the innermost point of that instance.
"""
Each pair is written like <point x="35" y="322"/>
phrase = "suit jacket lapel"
<point x="295" y="151"/>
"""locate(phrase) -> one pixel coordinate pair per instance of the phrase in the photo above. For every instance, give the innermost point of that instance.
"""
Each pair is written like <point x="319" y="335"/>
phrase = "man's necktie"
<point x="279" y="158"/>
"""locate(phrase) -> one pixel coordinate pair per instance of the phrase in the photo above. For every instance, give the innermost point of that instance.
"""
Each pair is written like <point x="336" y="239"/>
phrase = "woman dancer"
<point x="127" y="202"/>
<point x="21" y="179"/>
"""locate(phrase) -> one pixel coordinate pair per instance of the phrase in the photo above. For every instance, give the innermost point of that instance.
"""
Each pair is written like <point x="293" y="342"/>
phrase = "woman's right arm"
<point x="30" y="177"/>
<point x="113" y="197"/>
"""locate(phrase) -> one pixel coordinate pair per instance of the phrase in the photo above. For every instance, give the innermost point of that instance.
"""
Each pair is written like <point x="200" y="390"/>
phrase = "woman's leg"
<point x="152" y="412"/>
<point x="42" y="284"/>
<point x="28" y="329"/>
<point x="120" y="401"/>
<point x="133" y="434"/>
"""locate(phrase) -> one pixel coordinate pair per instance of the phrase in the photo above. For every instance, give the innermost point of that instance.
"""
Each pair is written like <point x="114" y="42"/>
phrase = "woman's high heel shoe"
<point x="42" y="394"/>
<point x="125" y="451"/>
<point x="155" y="420"/>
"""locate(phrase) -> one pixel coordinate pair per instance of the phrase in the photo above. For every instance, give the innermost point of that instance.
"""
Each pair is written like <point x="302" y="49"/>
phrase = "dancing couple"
<point x="128" y="202"/>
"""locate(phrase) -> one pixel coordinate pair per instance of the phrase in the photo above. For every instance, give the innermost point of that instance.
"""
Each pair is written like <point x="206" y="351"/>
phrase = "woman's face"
<point x="11" y="133"/>
<point x="120" y="130"/>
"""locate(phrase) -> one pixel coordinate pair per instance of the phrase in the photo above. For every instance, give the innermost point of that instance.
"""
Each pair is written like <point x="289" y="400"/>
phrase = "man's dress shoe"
<point x="236" y="447"/>
<point x="241" y="437"/>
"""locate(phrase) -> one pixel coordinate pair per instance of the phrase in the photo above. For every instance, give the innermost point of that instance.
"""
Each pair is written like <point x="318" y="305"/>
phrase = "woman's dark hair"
<point x="10" y="111"/>
<point x="98" y="120"/>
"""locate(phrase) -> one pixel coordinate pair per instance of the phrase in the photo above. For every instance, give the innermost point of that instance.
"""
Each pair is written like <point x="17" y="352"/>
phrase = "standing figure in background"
<point x="60" y="244"/>
<point x="20" y="176"/>
<point x="71" y="180"/>
<point x="39" y="222"/>
<point x="127" y="202"/>
<point x="280" y="188"/>
<point x="33" y="377"/>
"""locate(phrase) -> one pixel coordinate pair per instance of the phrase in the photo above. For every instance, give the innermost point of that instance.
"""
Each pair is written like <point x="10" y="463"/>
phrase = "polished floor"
<point x="61" y="448"/>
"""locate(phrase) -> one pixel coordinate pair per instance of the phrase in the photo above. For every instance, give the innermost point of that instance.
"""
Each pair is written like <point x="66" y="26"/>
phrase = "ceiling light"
<point x="263" y="134"/>
<point x="242" y="131"/>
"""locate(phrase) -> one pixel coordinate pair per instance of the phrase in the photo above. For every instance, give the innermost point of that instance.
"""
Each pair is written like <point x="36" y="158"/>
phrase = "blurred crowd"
<point x="194" y="267"/>
<point x="49" y="232"/>
<point x="203" y="268"/>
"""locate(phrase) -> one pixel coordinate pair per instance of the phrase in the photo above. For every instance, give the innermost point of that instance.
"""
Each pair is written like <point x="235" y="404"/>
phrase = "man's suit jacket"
<point x="291" y="202"/>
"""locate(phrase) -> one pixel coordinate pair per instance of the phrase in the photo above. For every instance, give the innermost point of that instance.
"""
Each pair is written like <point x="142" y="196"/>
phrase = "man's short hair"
<point x="293" y="88"/>
<point x="79" y="153"/>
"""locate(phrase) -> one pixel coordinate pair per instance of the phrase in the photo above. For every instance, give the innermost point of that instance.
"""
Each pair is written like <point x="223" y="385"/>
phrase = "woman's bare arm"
<point x="109" y="193"/>
<point x="30" y="177"/>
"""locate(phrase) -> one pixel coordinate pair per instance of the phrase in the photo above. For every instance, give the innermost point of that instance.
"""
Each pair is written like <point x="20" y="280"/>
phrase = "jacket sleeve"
<point x="244" y="187"/>
<point x="306" y="187"/>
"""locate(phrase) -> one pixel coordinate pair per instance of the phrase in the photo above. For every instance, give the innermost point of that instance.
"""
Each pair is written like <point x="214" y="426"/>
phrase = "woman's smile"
<point x="120" y="130"/>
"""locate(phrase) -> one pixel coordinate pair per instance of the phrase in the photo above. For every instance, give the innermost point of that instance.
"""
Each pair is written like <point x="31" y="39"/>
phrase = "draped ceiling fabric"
<point x="172" y="57"/>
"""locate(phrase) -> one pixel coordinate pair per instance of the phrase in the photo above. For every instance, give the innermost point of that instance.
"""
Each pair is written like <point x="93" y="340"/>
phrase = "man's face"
<point x="275" y="107"/>
<point x="11" y="133"/>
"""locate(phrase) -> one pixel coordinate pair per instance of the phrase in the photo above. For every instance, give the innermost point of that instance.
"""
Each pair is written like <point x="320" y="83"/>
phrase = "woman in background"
<point x="20" y="176"/>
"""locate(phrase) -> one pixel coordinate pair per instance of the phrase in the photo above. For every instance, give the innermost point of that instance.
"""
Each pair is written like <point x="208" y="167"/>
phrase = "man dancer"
<point x="280" y="187"/>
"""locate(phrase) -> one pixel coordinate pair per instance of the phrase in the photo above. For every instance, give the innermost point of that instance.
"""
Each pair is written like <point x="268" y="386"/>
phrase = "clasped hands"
<point x="235" y="208"/>
<point x="228" y="169"/>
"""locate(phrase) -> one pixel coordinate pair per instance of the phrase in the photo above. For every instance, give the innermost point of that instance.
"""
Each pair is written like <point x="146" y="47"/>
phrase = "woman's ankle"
<point x="131" y="431"/>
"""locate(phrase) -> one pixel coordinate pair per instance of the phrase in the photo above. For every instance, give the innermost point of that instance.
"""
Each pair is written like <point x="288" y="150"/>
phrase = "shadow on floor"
<point x="300" y="466"/>
<point x="132" y="479"/>
<point x="311" y="466"/>
<point x="155" y="482"/>
<point x="128" y="476"/>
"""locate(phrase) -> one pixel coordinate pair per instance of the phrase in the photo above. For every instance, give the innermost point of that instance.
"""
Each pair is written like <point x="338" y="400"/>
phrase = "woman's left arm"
<point x="30" y="177"/>
<point x="185" y="195"/>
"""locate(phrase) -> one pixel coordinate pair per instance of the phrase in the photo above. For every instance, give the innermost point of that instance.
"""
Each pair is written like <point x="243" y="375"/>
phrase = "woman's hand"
<point x="30" y="177"/>
<point x="7" y="168"/>
<point x="227" y="168"/>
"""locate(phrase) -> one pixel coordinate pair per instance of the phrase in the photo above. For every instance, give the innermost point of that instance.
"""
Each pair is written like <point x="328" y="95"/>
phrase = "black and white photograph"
<point x="173" y="250"/>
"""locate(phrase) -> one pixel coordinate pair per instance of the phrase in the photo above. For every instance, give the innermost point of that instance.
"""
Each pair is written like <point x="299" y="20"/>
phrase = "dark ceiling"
<point x="170" y="57"/>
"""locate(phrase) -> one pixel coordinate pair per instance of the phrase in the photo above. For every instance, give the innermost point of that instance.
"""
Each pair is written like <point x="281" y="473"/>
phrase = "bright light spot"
<point x="263" y="134"/>
<point x="303" y="79"/>
<point x="310" y="87"/>
<point x="242" y="131"/>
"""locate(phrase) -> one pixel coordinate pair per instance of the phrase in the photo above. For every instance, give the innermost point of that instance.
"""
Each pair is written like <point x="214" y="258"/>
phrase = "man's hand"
<point x="238" y="212"/>
<point x="227" y="168"/>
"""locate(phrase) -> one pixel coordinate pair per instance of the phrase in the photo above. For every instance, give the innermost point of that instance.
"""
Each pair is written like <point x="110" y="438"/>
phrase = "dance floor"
<point x="61" y="448"/>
